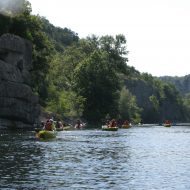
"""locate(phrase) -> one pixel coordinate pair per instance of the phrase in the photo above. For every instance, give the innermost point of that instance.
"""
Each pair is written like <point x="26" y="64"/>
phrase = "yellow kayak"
<point x="45" y="135"/>
<point x="126" y="126"/>
<point x="106" y="128"/>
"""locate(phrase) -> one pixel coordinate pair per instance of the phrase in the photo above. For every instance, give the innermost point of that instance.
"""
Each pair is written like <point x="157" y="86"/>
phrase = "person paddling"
<point x="112" y="123"/>
<point x="49" y="125"/>
<point x="59" y="124"/>
<point x="126" y="122"/>
<point x="78" y="124"/>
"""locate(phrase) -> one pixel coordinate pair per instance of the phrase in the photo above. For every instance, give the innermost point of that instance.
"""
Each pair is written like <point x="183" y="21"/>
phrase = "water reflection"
<point x="19" y="159"/>
<point x="136" y="158"/>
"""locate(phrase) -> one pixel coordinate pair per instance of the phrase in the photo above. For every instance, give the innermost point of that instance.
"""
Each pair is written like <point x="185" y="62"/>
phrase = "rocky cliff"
<point x="181" y="83"/>
<point x="19" y="106"/>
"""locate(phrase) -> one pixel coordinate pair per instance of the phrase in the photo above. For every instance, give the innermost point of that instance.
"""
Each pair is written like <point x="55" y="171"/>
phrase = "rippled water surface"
<point x="137" y="158"/>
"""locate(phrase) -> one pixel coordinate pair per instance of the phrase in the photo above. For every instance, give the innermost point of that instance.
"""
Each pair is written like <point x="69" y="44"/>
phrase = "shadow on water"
<point x="20" y="159"/>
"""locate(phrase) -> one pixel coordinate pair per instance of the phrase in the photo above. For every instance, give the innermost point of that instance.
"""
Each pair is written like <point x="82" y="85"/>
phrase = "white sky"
<point x="157" y="31"/>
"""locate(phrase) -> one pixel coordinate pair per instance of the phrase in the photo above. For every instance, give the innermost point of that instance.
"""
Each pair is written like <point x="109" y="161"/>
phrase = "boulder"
<point x="19" y="107"/>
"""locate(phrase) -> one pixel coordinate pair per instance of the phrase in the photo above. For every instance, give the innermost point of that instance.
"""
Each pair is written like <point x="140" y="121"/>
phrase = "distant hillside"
<point x="158" y="99"/>
<point x="181" y="83"/>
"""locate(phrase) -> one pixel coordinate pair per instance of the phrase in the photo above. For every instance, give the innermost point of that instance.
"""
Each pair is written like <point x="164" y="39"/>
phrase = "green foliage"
<point x="98" y="84"/>
<point x="187" y="100"/>
<point x="60" y="37"/>
<point x="128" y="108"/>
<point x="65" y="103"/>
<point x="30" y="27"/>
<point x="182" y="84"/>
<point x="86" y="68"/>
<point x="186" y="103"/>
<point x="159" y="100"/>
<point x="155" y="102"/>
<point x="116" y="49"/>
<point x="5" y="23"/>
<point x="61" y="99"/>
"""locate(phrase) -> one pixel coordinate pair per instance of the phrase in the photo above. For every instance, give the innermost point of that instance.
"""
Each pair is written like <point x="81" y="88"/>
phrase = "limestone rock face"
<point x="19" y="107"/>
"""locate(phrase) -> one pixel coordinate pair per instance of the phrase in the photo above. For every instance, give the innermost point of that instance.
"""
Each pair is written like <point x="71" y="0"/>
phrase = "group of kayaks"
<point x="107" y="128"/>
<point x="45" y="134"/>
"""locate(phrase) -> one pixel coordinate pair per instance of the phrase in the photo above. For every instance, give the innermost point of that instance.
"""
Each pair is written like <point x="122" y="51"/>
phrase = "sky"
<point x="157" y="31"/>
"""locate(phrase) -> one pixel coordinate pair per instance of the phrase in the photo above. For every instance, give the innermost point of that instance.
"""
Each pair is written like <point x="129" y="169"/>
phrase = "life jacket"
<point x="113" y="124"/>
<point x="48" y="126"/>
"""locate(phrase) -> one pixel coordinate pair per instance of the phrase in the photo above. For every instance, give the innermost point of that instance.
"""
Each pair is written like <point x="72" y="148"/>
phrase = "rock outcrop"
<point x="181" y="83"/>
<point x="19" y="106"/>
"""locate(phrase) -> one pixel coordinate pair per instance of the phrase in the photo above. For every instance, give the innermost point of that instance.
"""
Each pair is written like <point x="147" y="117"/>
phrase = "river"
<point x="139" y="158"/>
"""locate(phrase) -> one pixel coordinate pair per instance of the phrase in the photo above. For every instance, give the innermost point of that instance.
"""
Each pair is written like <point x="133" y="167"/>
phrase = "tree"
<point x="61" y="98"/>
<point x="98" y="84"/>
<point x="128" y="108"/>
<point x="60" y="37"/>
<point x="116" y="49"/>
<point x="93" y="66"/>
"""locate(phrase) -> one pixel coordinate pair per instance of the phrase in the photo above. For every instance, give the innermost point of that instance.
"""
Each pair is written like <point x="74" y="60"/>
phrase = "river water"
<point x="139" y="158"/>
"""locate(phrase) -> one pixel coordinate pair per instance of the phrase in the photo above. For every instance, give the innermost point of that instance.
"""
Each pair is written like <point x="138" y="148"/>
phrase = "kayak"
<point x="45" y="135"/>
<point x="167" y="124"/>
<point x="106" y="128"/>
<point x="126" y="126"/>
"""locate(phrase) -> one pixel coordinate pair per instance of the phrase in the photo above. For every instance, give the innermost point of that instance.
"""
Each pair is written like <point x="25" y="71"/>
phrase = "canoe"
<point x="106" y="128"/>
<point x="45" y="135"/>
